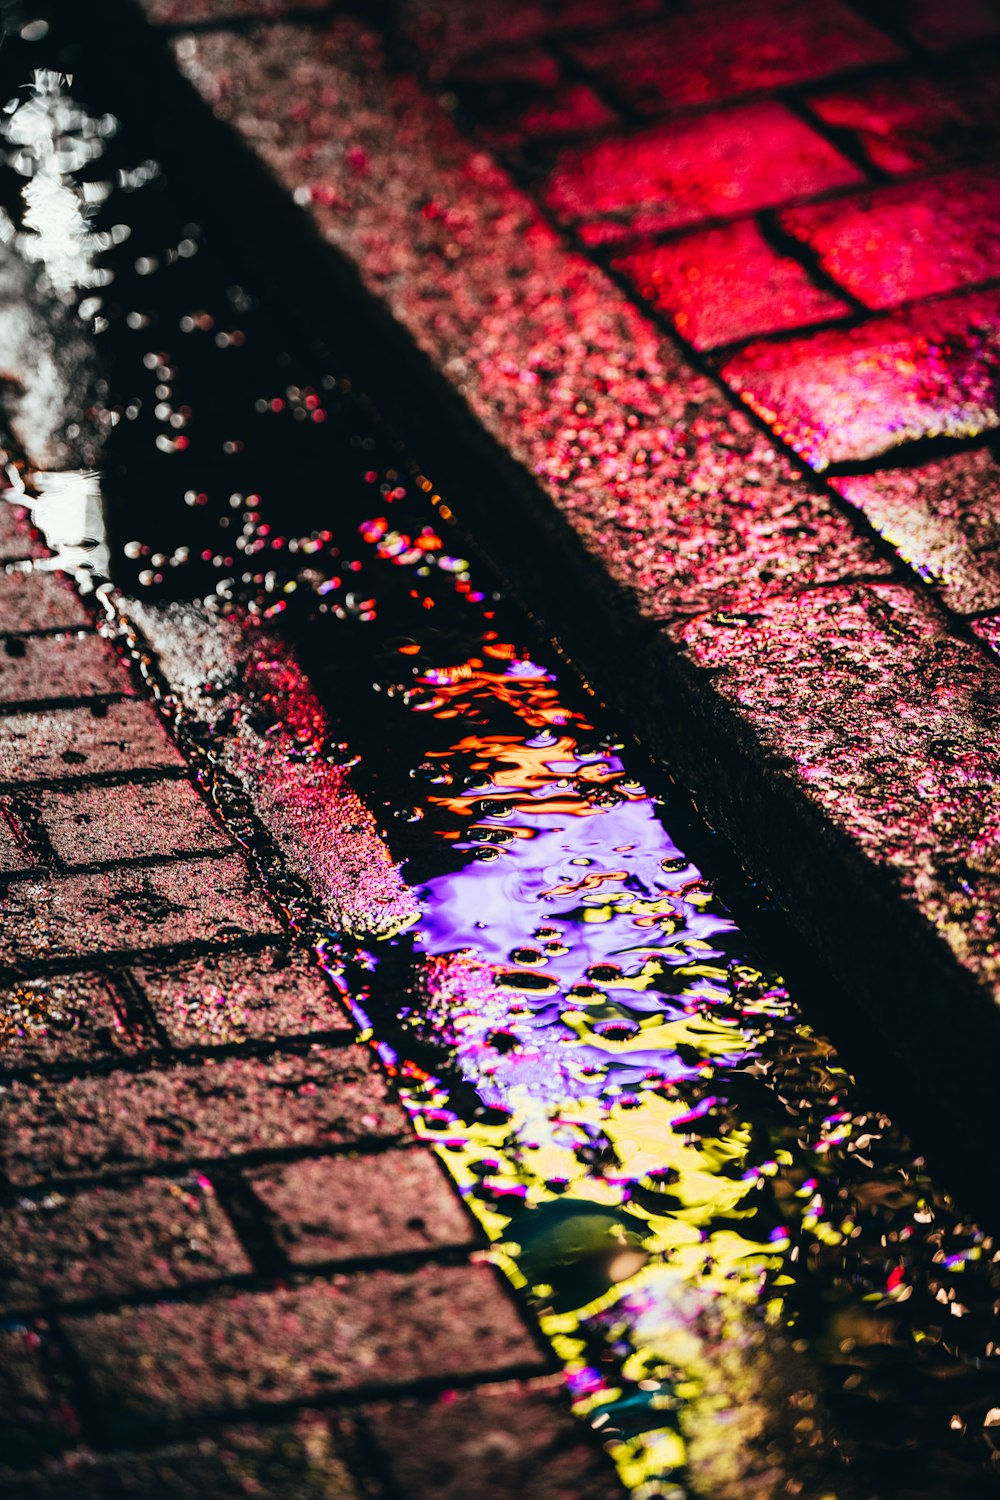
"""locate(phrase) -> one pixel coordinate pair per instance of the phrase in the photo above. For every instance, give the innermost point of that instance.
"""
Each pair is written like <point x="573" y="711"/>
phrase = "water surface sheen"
<point x="753" y="1284"/>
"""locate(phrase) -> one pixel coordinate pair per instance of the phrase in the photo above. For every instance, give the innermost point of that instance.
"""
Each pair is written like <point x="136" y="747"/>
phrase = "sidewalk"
<point x="212" y="1201"/>
<point x="828" y="637"/>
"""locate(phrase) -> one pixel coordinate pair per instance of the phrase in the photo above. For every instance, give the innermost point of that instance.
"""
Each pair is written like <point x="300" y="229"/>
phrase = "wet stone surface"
<point x="63" y="1018"/>
<point x="902" y="705"/>
<point x="73" y="742"/>
<point x="346" y="1208"/>
<point x="751" y="1280"/>
<point x="235" y="997"/>
<point x="854" y="394"/>
<point x="443" y="1450"/>
<point x="743" y="47"/>
<point x="684" y="171"/>
<point x="91" y="825"/>
<point x="942" y="518"/>
<point x="39" y="670"/>
<point x="297" y="1459"/>
<point x="161" y="1364"/>
<point x="197" y="1111"/>
<point x="36" y="600"/>
<point x="725" y="285"/>
<point x="114" y="1241"/>
<point x="907" y="241"/>
<point x="81" y="915"/>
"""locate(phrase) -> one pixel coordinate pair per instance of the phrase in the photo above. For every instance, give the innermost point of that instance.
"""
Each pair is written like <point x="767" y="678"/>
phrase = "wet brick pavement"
<point x="212" y="1209"/>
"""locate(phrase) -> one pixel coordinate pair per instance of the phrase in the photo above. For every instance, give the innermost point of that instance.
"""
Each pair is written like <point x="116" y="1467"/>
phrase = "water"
<point x="753" y="1283"/>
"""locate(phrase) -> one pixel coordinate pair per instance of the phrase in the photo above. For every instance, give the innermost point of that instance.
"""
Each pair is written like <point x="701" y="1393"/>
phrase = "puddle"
<point x="752" y="1283"/>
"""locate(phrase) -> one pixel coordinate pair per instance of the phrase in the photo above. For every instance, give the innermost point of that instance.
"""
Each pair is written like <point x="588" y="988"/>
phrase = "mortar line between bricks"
<point x="148" y="1435"/>
<point x="180" y="1166"/>
<point x="162" y="861"/>
<point x="291" y="1275"/>
<point x="133" y="1174"/>
<point x="43" y="705"/>
<point x="151" y="1060"/>
<point x="193" y="948"/>
<point x="47" y="632"/>
<point x="139" y="776"/>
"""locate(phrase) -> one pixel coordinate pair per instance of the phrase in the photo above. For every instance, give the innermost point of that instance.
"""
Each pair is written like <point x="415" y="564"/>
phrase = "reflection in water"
<point x="751" y="1282"/>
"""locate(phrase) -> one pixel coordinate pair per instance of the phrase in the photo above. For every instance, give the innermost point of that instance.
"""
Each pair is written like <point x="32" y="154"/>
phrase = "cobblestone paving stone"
<point x="112" y="1241"/>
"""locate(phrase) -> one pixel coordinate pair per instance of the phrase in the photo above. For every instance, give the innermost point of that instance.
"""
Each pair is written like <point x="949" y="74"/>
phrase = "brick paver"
<point x="85" y="916"/>
<point x="108" y="824"/>
<point x="346" y="1208"/>
<point x="41" y="670"/>
<point x="944" y="518"/>
<point x="63" y="1018"/>
<point x="723" y="286"/>
<point x="687" y="170"/>
<point x="205" y="1110"/>
<point x="443" y="1450"/>
<point x="113" y="1241"/>
<point x="39" y="601"/>
<point x="231" y="997"/>
<point x="161" y="1364"/>
<point x="72" y="742"/>
<point x="848" y="395"/>
<point x="744" y="47"/>
<point x="910" y="240"/>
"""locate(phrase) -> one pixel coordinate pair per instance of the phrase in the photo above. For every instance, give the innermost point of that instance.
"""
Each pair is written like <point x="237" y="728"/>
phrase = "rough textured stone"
<point x="111" y="1241"/>
<point x="943" y="518"/>
<point x="346" y="1207"/>
<point x="212" y="900"/>
<point x="62" y="1018"/>
<point x="15" y="855"/>
<point x="663" y="483"/>
<point x="703" y="167"/>
<point x="989" y="631"/>
<point x="39" y="600"/>
<point x="919" y="117"/>
<point x="93" y="824"/>
<point x="236" y="996"/>
<point x="521" y="95"/>
<point x="725" y="285"/>
<point x="741" y="47"/>
<point x="296" y="1461"/>
<point x="519" y="1441"/>
<point x="41" y="669"/>
<point x="162" y="1364"/>
<point x="856" y="393"/>
<point x="909" y="240"/>
<point x="196" y="1111"/>
<point x="108" y="737"/>
<point x="35" y="1416"/>
<point x="16" y="539"/>
<point x="886" y="722"/>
